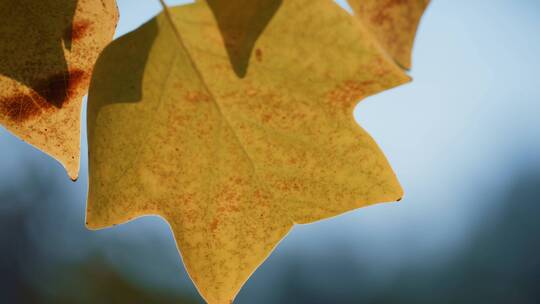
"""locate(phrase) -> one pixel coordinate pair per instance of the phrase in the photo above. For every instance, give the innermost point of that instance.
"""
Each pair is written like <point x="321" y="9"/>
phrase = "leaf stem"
<point x="166" y="10"/>
<point x="163" y="3"/>
<point x="171" y="21"/>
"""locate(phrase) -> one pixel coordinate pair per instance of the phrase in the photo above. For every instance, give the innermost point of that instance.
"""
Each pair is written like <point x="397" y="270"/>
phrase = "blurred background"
<point x="464" y="139"/>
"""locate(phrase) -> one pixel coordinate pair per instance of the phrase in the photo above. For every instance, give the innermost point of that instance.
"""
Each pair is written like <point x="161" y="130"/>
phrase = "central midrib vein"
<point x="178" y="36"/>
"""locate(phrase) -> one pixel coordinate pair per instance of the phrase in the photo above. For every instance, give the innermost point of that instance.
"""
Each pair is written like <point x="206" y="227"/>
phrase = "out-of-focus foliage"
<point x="498" y="264"/>
<point x="25" y="260"/>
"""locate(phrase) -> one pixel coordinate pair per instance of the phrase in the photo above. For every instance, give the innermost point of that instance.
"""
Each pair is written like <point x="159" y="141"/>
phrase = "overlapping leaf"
<point x="393" y="23"/>
<point x="47" y="52"/>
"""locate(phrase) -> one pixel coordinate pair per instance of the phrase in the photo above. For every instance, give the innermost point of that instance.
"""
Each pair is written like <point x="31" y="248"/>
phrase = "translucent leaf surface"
<point x="233" y="160"/>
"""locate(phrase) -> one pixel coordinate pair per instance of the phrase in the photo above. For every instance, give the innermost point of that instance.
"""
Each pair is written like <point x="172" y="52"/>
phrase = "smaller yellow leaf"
<point x="393" y="23"/>
<point x="47" y="53"/>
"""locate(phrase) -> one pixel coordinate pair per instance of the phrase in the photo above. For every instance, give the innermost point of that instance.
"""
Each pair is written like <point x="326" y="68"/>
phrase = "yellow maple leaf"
<point x="47" y="52"/>
<point x="393" y="23"/>
<point x="233" y="156"/>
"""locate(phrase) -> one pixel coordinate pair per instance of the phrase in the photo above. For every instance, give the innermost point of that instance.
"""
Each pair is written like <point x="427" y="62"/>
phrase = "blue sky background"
<point x="458" y="137"/>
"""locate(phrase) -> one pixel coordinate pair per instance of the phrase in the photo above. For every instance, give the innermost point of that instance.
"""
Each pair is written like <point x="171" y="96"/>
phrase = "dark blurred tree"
<point x="89" y="281"/>
<point x="500" y="263"/>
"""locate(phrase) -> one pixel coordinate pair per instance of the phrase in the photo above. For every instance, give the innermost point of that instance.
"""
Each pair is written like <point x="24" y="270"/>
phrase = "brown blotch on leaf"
<point x="75" y="32"/>
<point x="21" y="107"/>
<point x="58" y="88"/>
<point x="214" y="225"/>
<point x="259" y="55"/>
<point x="79" y="30"/>
<point x="51" y="94"/>
<point x="197" y="97"/>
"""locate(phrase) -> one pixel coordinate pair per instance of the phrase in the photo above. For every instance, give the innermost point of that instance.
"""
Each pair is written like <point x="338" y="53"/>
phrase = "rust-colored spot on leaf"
<point x="76" y="79"/>
<point x="349" y="92"/>
<point x="54" y="89"/>
<point x="383" y="15"/>
<point x="58" y="88"/>
<point x="21" y="107"/>
<point x="197" y="97"/>
<point x="52" y="93"/>
<point x="75" y="32"/>
<point x="79" y="30"/>
<point x="214" y="225"/>
<point x="259" y="55"/>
